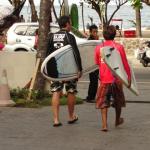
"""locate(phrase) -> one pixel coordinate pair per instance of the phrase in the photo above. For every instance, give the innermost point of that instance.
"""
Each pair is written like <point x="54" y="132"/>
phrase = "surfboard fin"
<point x="108" y="55"/>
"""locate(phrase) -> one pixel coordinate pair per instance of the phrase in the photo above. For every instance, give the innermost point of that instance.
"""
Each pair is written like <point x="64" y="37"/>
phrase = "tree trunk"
<point x="138" y="22"/>
<point x="44" y="28"/>
<point x="83" y="17"/>
<point x="34" y="17"/>
<point x="66" y="8"/>
<point x="16" y="3"/>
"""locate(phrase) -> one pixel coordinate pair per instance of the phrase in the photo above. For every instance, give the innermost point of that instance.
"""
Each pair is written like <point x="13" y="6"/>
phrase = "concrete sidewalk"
<point x="31" y="129"/>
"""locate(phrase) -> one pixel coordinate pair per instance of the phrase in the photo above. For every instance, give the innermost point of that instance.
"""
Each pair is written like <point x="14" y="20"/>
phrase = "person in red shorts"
<point x="110" y="91"/>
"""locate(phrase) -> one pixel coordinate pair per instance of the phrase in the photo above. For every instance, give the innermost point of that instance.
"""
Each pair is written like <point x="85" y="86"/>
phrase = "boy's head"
<point x="109" y="32"/>
<point x="117" y="27"/>
<point x="93" y="29"/>
<point x="36" y="31"/>
<point x="65" y="22"/>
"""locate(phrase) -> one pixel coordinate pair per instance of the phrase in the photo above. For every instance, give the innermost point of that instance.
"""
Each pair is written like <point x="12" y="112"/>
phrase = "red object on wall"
<point x="1" y="46"/>
<point x="129" y="33"/>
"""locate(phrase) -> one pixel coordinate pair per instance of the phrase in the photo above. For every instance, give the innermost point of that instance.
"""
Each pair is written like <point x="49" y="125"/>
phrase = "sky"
<point x="37" y="2"/>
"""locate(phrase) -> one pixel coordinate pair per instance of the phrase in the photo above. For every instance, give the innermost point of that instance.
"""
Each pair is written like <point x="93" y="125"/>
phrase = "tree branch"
<point x="10" y="2"/>
<point x="117" y="8"/>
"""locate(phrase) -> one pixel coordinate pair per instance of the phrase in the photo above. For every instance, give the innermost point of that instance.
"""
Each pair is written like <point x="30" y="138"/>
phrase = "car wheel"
<point x="21" y="50"/>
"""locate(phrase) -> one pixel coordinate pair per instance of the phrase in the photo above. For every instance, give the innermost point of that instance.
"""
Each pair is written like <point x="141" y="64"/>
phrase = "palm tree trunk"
<point x="34" y="17"/>
<point x="44" y="28"/>
<point x="66" y="8"/>
<point x="138" y="22"/>
<point x="16" y="3"/>
<point x="83" y="16"/>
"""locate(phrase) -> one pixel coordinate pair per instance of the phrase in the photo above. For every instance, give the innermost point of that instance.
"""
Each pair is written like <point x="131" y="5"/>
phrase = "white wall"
<point x="19" y="67"/>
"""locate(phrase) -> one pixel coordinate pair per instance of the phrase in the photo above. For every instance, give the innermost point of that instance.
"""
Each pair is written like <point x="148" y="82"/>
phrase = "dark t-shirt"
<point x="61" y="39"/>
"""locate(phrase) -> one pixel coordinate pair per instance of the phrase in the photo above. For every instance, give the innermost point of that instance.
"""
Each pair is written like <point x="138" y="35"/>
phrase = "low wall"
<point x="19" y="67"/>
<point x="131" y="44"/>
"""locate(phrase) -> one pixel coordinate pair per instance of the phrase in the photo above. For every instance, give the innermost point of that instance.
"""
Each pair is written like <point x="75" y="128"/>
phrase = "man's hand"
<point x="129" y="82"/>
<point x="79" y="74"/>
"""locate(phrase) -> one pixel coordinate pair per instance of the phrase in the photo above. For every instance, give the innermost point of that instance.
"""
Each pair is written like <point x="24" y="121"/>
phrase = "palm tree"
<point x="81" y="4"/>
<point x="44" y="28"/>
<point x="66" y="8"/>
<point x="137" y="5"/>
<point x="138" y="22"/>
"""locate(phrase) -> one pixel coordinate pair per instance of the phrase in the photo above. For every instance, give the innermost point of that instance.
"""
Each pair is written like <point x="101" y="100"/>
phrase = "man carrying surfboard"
<point x="56" y="41"/>
<point x="110" y="91"/>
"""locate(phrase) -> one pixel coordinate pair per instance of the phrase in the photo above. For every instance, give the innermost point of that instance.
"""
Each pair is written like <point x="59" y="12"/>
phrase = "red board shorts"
<point x="110" y="94"/>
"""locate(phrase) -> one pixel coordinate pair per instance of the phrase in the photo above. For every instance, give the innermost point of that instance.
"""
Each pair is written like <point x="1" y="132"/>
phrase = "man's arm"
<point x="97" y="55"/>
<point x="76" y="50"/>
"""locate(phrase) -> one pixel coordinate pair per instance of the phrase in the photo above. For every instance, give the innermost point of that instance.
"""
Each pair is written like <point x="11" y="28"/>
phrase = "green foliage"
<point x="136" y="4"/>
<point x="38" y="98"/>
<point x="77" y="33"/>
<point x="74" y="16"/>
<point x="22" y="93"/>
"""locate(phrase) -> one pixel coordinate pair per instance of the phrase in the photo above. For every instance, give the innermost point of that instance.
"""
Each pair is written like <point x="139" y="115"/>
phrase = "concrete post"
<point x="5" y="99"/>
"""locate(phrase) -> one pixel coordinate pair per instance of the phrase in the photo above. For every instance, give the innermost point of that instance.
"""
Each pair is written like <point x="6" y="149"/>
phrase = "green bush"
<point x="77" y="33"/>
<point x="22" y="93"/>
<point x="38" y="98"/>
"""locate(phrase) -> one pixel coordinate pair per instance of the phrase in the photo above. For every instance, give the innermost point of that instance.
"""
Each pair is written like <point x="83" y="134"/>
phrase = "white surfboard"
<point x="113" y="59"/>
<point x="61" y="64"/>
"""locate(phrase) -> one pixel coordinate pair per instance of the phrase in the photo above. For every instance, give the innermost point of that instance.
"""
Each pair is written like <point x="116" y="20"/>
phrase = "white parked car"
<point x="21" y="36"/>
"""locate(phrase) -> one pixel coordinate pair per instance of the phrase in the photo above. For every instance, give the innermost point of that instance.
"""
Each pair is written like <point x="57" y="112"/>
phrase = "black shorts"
<point x="70" y="86"/>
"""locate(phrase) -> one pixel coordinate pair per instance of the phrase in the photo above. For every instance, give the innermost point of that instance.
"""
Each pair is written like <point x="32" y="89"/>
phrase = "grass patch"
<point x="38" y="98"/>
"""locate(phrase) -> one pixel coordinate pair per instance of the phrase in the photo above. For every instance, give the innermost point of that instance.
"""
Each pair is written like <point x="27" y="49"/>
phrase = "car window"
<point x="31" y="30"/>
<point x="20" y="30"/>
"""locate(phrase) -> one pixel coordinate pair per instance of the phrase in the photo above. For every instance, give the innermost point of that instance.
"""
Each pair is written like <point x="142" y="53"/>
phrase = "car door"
<point x="29" y="38"/>
<point x="16" y="36"/>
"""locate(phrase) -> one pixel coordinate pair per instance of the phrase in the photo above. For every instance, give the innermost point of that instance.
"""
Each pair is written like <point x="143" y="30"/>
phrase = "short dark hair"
<point x="93" y="26"/>
<point x="117" y="27"/>
<point x="37" y="31"/>
<point x="109" y="32"/>
<point x="63" y="20"/>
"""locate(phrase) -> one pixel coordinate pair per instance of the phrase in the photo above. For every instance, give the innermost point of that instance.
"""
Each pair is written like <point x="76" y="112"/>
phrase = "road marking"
<point x="84" y="81"/>
<point x="146" y="82"/>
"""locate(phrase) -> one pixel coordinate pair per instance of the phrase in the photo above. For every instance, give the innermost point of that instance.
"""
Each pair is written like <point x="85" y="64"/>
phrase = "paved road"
<point x="31" y="129"/>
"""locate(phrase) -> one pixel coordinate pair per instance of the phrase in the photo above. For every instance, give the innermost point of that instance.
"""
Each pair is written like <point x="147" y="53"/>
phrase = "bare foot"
<point x="119" y="122"/>
<point x="104" y="129"/>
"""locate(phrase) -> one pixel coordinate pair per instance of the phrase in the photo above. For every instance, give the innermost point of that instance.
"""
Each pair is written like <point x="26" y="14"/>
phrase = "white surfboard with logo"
<point x="61" y="64"/>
